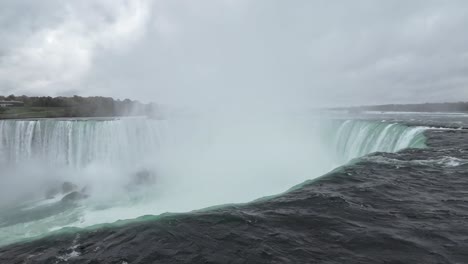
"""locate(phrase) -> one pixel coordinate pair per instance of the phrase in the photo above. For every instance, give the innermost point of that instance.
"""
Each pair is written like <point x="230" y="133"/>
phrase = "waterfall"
<point x="356" y="138"/>
<point x="78" y="143"/>
<point x="135" y="166"/>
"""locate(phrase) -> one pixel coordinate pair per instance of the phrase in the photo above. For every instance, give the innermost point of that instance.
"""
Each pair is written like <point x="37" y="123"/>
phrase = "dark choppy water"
<point x="407" y="207"/>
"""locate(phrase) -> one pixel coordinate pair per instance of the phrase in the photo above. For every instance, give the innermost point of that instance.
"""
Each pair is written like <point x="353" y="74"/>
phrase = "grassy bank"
<point x="33" y="112"/>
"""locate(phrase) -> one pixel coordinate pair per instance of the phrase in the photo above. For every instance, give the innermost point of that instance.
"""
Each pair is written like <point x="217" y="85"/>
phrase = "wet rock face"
<point x="51" y="193"/>
<point x="144" y="177"/>
<point x="64" y="188"/>
<point x="141" y="179"/>
<point x="68" y="187"/>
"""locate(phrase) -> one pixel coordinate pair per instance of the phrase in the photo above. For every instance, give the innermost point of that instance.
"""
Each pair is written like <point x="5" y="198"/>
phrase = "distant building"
<point x="11" y="103"/>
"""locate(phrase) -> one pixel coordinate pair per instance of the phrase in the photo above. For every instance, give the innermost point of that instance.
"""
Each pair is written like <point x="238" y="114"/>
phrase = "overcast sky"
<point x="298" y="52"/>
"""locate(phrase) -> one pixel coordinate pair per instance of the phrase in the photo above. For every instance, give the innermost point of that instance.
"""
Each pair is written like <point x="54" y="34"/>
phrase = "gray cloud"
<point x="235" y="53"/>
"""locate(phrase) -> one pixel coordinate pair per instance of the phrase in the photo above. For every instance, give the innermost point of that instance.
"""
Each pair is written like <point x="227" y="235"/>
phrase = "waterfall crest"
<point x="77" y="143"/>
<point x="356" y="138"/>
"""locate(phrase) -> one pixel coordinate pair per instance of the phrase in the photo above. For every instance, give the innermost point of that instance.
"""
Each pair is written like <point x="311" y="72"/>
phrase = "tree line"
<point x="96" y="106"/>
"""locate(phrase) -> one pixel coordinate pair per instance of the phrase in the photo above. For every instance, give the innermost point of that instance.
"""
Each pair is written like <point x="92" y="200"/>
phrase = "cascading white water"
<point x="356" y="138"/>
<point x="197" y="164"/>
<point x="78" y="143"/>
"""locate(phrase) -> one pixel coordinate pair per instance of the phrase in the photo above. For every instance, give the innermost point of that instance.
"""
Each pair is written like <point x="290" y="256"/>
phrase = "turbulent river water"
<point x="383" y="207"/>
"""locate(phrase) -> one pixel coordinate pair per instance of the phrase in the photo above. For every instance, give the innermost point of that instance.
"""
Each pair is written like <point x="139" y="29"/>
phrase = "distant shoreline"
<point x="25" y="107"/>
<point x="101" y="118"/>
<point x="458" y="107"/>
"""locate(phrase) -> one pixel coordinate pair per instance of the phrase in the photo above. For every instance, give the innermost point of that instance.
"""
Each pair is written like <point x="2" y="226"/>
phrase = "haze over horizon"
<point x="257" y="53"/>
